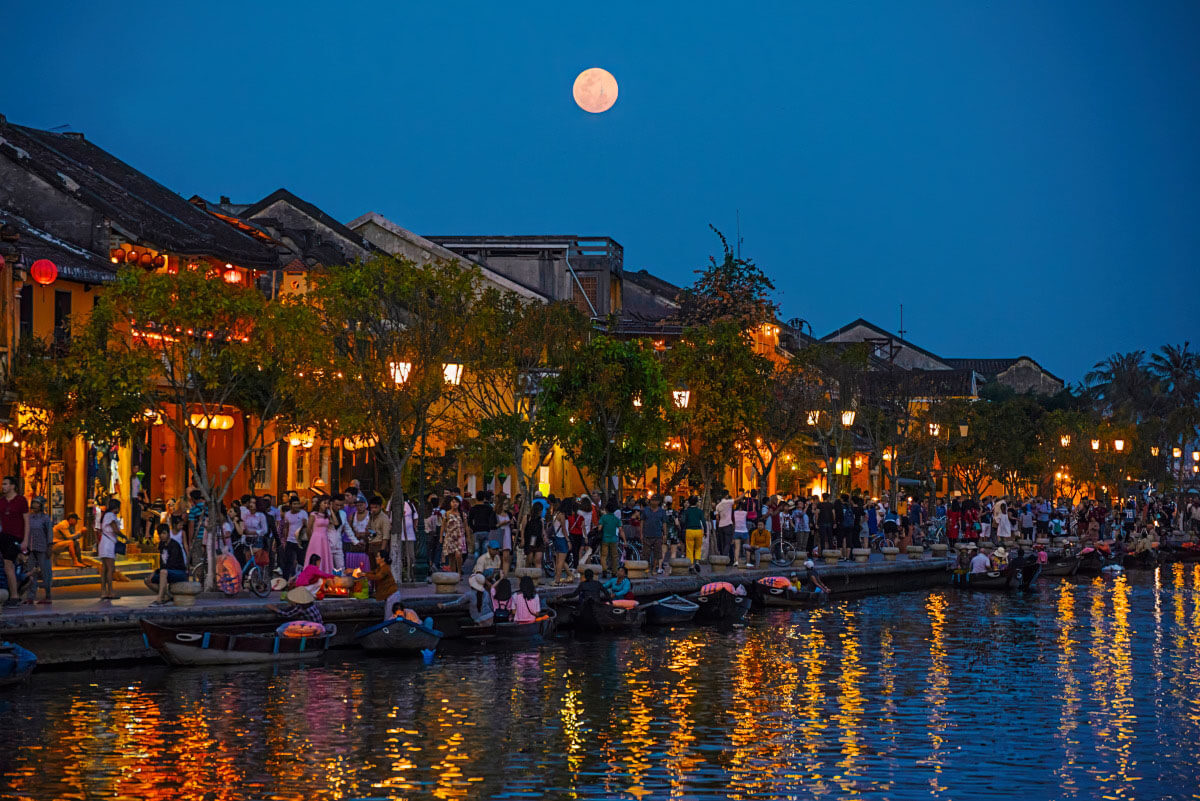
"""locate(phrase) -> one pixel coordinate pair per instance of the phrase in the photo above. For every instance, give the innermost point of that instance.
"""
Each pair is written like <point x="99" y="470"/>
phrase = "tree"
<point x="732" y="290"/>
<point x="182" y="349"/>
<point x="1121" y="386"/>
<point x="726" y="383"/>
<point x="520" y="345"/>
<point x="835" y="376"/>
<point x="384" y="361"/>
<point x="782" y="419"/>
<point x="605" y="408"/>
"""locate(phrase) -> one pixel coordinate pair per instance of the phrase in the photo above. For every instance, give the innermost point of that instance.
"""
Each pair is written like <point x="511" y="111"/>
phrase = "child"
<point x="759" y="538"/>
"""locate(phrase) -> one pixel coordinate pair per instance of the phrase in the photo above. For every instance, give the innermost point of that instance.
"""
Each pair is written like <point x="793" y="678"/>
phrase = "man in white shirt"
<point x="339" y="533"/>
<point x="981" y="563"/>
<point x="724" y="513"/>
<point x="295" y="520"/>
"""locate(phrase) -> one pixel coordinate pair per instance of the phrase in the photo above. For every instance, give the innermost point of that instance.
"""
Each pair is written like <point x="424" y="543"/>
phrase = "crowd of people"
<point x="304" y="542"/>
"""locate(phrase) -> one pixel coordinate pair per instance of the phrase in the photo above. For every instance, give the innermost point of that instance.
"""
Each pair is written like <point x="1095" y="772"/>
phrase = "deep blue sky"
<point x="1023" y="176"/>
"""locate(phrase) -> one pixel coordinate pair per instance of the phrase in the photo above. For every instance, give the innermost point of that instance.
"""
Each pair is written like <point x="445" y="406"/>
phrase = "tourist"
<point x="490" y="561"/>
<point x="560" y="544"/>
<point x="301" y="606"/>
<point x="981" y="562"/>
<point x="40" y="539"/>
<point x="654" y="531"/>
<point x="619" y="586"/>
<point x="319" y="524"/>
<point x="295" y="526"/>
<point x="693" y="531"/>
<point x="760" y="538"/>
<point x="534" y="537"/>
<point x="588" y="590"/>
<point x="482" y="519"/>
<point x="408" y="540"/>
<point x="197" y="517"/>
<point x="454" y="534"/>
<point x="504" y="533"/>
<point x="812" y="582"/>
<point x="579" y="525"/>
<point x="825" y="523"/>
<point x="724" y="524"/>
<point x="383" y="581"/>
<point x="312" y="576"/>
<point x="67" y="534"/>
<point x="1001" y="520"/>
<point x="110" y="539"/>
<point x="502" y="600"/>
<point x="172" y="563"/>
<point x="610" y="535"/>
<point x="527" y="606"/>
<point x="1026" y="521"/>
<point x="478" y="601"/>
<point x="13" y="511"/>
<point x="340" y="533"/>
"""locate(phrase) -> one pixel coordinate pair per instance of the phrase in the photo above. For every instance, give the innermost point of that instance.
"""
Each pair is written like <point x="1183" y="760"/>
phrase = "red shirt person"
<point x="14" y="521"/>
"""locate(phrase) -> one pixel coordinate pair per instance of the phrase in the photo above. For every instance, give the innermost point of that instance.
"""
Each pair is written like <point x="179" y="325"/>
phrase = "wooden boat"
<point x="1061" y="567"/>
<point x="1146" y="560"/>
<point x="190" y="646"/>
<point x="994" y="580"/>
<point x="1029" y="573"/>
<point x="1091" y="561"/>
<point x="16" y="663"/>
<point x="602" y="616"/>
<point x="541" y="628"/>
<point x="721" y="605"/>
<point x="778" y="591"/>
<point x="670" y="611"/>
<point x="398" y="636"/>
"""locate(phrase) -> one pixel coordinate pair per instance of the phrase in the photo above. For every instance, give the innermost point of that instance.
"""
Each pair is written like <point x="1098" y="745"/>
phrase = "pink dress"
<point x="318" y="543"/>
<point x="525" y="611"/>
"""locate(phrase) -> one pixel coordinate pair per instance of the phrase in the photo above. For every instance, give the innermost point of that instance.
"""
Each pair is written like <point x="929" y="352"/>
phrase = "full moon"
<point x="595" y="90"/>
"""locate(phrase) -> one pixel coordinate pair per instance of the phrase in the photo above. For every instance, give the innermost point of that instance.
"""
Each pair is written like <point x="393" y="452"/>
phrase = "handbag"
<point x="120" y="547"/>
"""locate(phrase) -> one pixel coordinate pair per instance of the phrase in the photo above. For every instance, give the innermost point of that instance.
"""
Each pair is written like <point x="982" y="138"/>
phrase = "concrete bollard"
<point x="831" y="556"/>
<point x="680" y="566"/>
<point x="185" y="592"/>
<point x="916" y="552"/>
<point x="890" y="554"/>
<point x="445" y="583"/>
<point x="719" y="563"/>
<point x="534" y="573"/>
<point x="861" y="555"/>
<point x="637" y="569"/>
<point x="938" y="550"/>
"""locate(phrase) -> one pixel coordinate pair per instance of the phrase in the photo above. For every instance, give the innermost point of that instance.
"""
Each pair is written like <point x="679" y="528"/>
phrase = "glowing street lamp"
<point x="934" y="429"/>
<point x="848" y="418"/>
<point x="1119" y="444"/>
<point x="962" y="429"/>
<point x="1154" y="450"/>
<point x="1177" y="452"/>
<point x="1095" y="444"/>
<point x="814" y="418"/>
<point x="400" y="371"/>
<point x="681" y="397"/>
<point x="1196" y="456"/>
<point x="1065" y="440"/>
<point x="452" y="371"/>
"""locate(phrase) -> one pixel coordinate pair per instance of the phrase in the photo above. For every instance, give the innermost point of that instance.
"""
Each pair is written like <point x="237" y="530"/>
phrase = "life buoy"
<point x="625" y="603"/>
<point x="715" y="587"/>
<point x="775" y="582"/>
<point x="301" y="628"/>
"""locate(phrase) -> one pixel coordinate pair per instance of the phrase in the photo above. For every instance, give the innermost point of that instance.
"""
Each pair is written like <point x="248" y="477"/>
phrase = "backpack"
<point x="847" y="517"/>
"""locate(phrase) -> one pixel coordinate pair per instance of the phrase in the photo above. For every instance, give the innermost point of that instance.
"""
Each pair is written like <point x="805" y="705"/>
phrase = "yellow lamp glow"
<point x="400" y="371"/>
<point x="848" y="418"/>
<point x="1119" y="444"/>
<point x="1095" y="444"/>
<point x="452" y="372"/>
<point x="1065" y="440"/>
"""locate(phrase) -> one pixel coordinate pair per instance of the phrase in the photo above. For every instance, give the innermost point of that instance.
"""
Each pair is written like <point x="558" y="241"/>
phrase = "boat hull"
<point x="16" y="663"/>
<point x="1061" y="567"/>
<point x="187" y="647"/>
<point x="671" y="611"/>
<point x="599" y="616"/>
<point x="398" y="636"/>
<point x="721" y="607"/>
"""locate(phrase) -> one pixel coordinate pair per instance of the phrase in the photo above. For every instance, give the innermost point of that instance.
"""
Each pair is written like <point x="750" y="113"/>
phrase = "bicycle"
<point x="783" y="553"/>
<point x="935" y="531"/>
<point x="254" y="576"/>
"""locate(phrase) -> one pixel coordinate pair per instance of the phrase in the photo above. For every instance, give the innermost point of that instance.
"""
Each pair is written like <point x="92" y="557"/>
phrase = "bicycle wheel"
<point x="199" y="572"/>
<point x="256" y="580"/>
<point x="782" y="553"/>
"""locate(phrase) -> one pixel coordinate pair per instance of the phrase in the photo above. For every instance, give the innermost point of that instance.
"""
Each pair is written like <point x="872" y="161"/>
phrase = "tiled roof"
<point x="985" y="367"/>
<point x="73" y="262"/>
<point x="133" y="201"/>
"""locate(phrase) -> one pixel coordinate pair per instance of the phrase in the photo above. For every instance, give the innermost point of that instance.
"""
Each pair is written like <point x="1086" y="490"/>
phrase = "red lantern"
<point x="43" y="272"/>
<point x="117" y="255"/>
<point x="160" y="261"/>
<point x="146" y="260"/>
<point x="233" y="276"/>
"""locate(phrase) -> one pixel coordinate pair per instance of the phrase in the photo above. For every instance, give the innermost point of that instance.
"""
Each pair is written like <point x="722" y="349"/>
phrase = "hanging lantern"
<point x="44" y="272"/>
<point x="200" y="421"/>
<point x="962" y="429"/>
<point x="6" y="435"/>
<point x="117" y="255"/>
<point x="146" y="260"/>
<point x="232" y="275"/>
<point x="160" y="261"/>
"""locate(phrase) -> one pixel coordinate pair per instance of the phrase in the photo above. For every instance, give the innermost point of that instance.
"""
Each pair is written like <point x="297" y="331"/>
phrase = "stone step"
<point x="132" y="569"/>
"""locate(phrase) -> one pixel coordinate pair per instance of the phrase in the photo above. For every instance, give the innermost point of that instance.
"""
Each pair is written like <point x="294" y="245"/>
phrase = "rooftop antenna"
<point x="62" y="127"/>
<point x="739" y="233"/>
<point x="901" y="331"/>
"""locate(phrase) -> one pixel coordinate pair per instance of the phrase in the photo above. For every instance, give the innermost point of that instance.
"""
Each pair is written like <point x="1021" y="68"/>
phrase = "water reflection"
<point x="1085" y="690"/>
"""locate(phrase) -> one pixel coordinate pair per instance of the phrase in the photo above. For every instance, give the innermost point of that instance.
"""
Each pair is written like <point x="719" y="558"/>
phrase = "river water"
<point x="1083" y="689"/>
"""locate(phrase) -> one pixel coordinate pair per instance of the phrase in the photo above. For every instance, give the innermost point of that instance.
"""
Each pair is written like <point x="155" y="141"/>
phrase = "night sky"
<point x="1023" y="176"/>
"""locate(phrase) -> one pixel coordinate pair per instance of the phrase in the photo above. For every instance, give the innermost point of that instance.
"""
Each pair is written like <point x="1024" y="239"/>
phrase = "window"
<point x="588" y="284"/>
<point x="262" y="469"/>
<point x="299" y="474"/>
<point x="26" y="313"/>
<point x="62" y="317"/>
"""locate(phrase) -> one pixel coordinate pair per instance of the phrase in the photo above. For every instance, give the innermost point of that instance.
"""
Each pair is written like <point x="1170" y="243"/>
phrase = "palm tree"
<point x="1121" y="386"/>
<point x="1178" y="368"/>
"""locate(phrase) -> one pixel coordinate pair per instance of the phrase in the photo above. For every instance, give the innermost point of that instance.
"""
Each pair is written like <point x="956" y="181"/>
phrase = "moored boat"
<point x="16" y="663"/>
<point x="670" y="611"/>
<point x="719" y="602"/>
<point x="778" y="591"/>
<point x="399" y="636"/>
<point x="594" y="615"/>
<point x="540" y="628"/>
<point x="1061" y="567"/>
<point x="992" y="580"/>
<point x="262" y="645"/>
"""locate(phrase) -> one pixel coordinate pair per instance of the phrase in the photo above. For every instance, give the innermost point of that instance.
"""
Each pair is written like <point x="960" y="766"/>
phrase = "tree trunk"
<point x="396" y="535"/>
